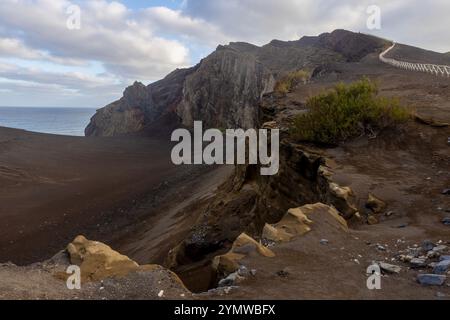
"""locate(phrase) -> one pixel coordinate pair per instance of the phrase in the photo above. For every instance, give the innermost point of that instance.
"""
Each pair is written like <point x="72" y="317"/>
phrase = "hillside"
<point x="225" y="87"/>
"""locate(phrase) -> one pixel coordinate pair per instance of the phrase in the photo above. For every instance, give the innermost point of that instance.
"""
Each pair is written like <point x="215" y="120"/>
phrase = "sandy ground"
<point x="53" y="188"/>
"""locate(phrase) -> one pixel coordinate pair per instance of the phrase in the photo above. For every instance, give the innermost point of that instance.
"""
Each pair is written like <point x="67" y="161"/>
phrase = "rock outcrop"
<point x="242" y="247"/>
<point x="224" y="89"/>
<point x="299" y="221"/>
<point x="105" y="274"/>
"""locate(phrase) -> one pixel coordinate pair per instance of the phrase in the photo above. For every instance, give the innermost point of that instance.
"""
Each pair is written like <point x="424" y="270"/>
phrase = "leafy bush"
<point x="347" y="112"/>
<point x="289" y="81"/>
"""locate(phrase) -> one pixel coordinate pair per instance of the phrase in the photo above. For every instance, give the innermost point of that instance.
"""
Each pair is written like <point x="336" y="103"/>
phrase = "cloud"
<point x="109" y="33"/>
<point x="416" y="22"/>
<point x="41" y="59"/>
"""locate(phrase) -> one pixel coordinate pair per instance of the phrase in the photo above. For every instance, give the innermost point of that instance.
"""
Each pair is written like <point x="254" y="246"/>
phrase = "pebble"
<point x="446" y="192"/>
<point x="442" y="258"/>
<point x="446" y="221"/>
<point x="431" y="279"/>
<point x="161" y="294"/>
<point x="440" y="248"/>
<point x="442" y="267"/>
<point x="389" y="267"/>
<point x="418" y="262"/>
<point x="389" y="213"/>
<point x="324" y="241"/>
<point x="427" y="245"/>
<point x="380" y="247"/>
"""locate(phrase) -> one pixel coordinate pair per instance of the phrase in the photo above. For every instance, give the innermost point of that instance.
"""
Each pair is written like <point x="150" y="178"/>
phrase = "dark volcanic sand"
<point x="53" y="188"/>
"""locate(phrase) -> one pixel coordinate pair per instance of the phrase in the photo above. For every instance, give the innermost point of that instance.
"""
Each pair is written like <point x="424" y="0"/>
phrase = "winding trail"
<point x="439" y="70"/>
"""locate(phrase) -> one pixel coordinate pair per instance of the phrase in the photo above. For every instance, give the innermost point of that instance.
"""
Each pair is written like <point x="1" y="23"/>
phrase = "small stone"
<point x="161" y="294"/>
<point x="380" y="247"/>
<point x="446" y="221"/>
<point x="389" y="267"/>
<point x="389" y="213"/>
<point x="402" y="226"/>
<point x="253" y="272"/>
<point x="418" y="262"/>
<point x="371" y="220"/>
<point x="431" y="279"/>
<point x="440" y="248"/>
<point x="243" y="271"/>
<point x="442" y="258"/>
<point x="282" y="274"/>
<point x="324" y="241"/>
<point x="442" y="267"/>
<point x="427" y="245"/>
<point x="433" y="254"/>
<point x="446" y="192"/>
<point x="375" y="204"/>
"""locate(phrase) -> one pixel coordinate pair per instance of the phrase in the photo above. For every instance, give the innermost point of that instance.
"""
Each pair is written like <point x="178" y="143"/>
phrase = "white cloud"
<point x="109" y="33"/>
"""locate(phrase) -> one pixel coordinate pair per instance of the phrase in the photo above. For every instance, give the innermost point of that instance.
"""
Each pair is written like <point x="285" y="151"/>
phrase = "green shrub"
<point x="289" y="81"/>
<point x="346" y="112"/>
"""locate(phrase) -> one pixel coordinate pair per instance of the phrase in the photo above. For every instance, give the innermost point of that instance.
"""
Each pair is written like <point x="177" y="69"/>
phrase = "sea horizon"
<point x="68" y="121"/>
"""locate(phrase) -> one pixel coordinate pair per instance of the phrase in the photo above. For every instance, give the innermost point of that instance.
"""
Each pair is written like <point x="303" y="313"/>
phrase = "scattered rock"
<point x="440" y="248"/>
<point x="389" y="213"/>
<point x="446" y="192"/>
<point x="231" y="280"/>
<point x="406" y="258"/>
<point x="282" y="273"/>
<point x="380" y="247"/>
<point x="242" y="246"/>
<point x="433" y="254"/>
<point x="371" y="220"/>
<point x="446" y="221"/>
<point x="324" y="241"/>
<point x="431" y="279"/>
<point x="442" y="258"/>
<point x="98" y="261"/>
<point x="375" y="204"/>
<point x="389" y="267"/>
<point x="418" y="262"/>
<point x="442" y="267"/>
<point x="427" y="245"/>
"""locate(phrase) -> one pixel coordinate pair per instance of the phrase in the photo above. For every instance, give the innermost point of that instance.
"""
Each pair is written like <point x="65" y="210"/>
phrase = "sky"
<point x="52" y="56"/>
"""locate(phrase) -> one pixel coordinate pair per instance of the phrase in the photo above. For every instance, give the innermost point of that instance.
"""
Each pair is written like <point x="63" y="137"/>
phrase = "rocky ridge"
<point x="224" y="89"/>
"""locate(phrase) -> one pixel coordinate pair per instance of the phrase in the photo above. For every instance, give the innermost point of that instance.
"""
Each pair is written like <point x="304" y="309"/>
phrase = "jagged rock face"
<point x="224" y="89"/>
<point x="140" y="107"/>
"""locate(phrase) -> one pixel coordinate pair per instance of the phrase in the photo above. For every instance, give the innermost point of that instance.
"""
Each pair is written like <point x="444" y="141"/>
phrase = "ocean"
<point x="62" y="121"/>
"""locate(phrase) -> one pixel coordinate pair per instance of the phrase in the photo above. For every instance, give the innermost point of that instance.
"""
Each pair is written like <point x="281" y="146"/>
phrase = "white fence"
<point x="430" y="68"/>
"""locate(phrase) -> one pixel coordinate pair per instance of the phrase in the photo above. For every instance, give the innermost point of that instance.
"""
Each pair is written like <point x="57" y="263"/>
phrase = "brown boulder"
<point x="243" y="246"/>
<point x="299" y="221"/>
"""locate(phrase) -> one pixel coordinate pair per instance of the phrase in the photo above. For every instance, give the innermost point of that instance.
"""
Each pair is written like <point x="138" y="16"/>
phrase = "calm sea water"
<point x="63" y="121"/>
